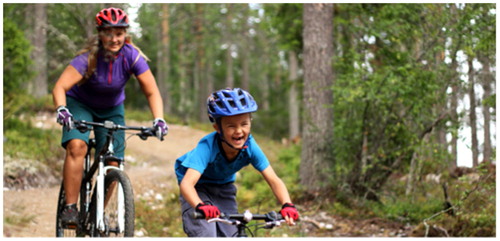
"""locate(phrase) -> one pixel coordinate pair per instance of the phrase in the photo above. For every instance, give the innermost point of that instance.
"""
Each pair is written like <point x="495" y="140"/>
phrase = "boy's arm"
<point x="187" y="187"/>
<point x="277" y="185"/>
<point x="280" y="191"/>
<point x="191" y="195"/>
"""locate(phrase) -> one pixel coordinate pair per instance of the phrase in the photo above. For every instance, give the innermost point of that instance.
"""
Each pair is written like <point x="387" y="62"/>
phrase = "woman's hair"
<point x="93" y="46"/>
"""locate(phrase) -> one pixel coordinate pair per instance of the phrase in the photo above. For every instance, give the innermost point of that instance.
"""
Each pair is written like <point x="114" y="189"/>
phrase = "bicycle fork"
<point x="101" y="196"/>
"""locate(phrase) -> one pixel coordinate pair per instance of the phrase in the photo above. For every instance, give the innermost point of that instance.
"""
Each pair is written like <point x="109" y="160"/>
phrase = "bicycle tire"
<point x="111" y="208"/>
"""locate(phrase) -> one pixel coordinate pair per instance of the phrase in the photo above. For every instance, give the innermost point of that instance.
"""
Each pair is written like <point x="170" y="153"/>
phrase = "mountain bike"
<point x="106" y="203"/>
<point x="242" y="220"/>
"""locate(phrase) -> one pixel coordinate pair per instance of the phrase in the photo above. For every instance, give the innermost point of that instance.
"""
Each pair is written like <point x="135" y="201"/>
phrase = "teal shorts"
<point x="81" y="111"/>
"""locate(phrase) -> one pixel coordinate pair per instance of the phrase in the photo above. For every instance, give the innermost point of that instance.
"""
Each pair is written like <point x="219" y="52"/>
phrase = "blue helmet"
<point x="229" y="102"/>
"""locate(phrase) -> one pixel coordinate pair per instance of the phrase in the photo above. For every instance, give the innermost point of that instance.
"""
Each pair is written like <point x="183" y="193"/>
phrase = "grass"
<point x="39" y="148"/>
<point x="17" y="217"/>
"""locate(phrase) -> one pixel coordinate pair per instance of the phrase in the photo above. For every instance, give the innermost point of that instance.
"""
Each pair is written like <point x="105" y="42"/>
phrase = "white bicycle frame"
<point x="100" y="196"/>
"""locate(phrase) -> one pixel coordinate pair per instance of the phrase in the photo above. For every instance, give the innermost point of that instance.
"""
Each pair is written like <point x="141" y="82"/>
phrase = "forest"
<point x="367" y="102"/>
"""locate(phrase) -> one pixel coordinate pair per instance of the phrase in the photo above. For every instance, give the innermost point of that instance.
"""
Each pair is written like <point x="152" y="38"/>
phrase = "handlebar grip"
<point x="198" y="215"/>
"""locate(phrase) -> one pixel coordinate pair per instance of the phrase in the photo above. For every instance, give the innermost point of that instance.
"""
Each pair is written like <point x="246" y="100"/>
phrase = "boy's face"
<point x="235" y="129"/>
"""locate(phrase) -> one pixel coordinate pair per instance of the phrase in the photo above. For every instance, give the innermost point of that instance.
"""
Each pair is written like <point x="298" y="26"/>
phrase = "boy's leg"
<point x="222" y="196"/>
<point x="225" y="200"/>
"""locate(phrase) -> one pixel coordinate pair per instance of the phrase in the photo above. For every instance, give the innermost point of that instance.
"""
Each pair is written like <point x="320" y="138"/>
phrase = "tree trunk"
<point x="229" y="42"/>
<point x="200" y="72"/>
<point x="455" y="93"/>
<point x="441" y="107"/>
<point x="39" y="87"/>
<point x="487" y="80"/>
<point x="89" y="23"/>
<point x="184" y="104"/>
<point x="293" y="96"/>
<point x="316" y="159"/>
<point x="163" y="63"/>
<point x="472" y="114"/>
<point x="245" y="50"/>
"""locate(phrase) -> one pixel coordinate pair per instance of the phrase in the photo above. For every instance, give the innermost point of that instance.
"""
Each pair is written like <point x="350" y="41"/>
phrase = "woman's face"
<point x="113" y="39"/>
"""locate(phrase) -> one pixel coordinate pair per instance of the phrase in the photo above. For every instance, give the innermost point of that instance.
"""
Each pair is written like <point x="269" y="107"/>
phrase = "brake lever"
<point x="224" y="220"/>
<point x="82" y="127"/>
<point x="272" y="224"/>
<point x="145" y="134"/>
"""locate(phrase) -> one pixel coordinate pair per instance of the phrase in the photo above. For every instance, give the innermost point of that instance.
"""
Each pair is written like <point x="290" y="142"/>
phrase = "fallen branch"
<point x="319" y="225"/>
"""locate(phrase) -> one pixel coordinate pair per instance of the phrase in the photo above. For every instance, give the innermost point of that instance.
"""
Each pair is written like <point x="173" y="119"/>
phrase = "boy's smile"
<point x="235" y="129"/>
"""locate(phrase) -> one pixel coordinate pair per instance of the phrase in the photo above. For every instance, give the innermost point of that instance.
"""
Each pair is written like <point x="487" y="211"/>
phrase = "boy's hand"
<point x="210" y="211"/>
<point x="290" y="213"/>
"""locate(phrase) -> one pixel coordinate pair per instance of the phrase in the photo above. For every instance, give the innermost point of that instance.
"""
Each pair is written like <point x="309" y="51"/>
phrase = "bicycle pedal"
<point x="71" y="226"/>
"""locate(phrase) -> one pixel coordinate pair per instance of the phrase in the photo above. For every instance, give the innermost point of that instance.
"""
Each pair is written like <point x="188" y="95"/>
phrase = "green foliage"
<point x="16" y="65"/>
<point x="409" y="210"/>
<point x="254" y="193"/>
<point x="286" y="21"/>
<point x="475" y="204"/>
<point x="491" y="102"/>
<point x="16" y="58"/>
<point x="390" y="98"/>
<point x="40" y="147"/>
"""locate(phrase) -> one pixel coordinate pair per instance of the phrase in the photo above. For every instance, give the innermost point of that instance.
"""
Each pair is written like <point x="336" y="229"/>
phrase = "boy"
<point x="206" y="174"/>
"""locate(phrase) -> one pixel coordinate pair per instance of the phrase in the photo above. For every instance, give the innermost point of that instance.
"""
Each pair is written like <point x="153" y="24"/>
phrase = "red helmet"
<point x="111" y="17"/>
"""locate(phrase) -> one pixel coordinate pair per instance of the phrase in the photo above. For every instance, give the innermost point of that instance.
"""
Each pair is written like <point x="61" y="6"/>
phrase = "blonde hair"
<point x="93" y="46"/>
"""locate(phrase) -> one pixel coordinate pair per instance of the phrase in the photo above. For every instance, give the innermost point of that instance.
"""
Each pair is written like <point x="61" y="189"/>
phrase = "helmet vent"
<point x="211" y="108"/>
<point x="219" y="104"/>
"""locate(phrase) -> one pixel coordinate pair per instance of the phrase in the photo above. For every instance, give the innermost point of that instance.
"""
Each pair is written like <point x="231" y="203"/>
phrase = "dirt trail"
<point x="149" y="164"/>
<point x="150" y="168"/>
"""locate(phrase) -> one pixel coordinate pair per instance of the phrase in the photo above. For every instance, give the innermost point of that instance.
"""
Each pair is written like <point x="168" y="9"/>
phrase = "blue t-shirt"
<point x="106" y="87"/>
<point x="207" y="159"/>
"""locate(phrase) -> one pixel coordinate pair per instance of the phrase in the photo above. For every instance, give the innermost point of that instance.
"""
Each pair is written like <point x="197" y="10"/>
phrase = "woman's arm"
<point x="69" y="77"/>
<point x="152" y="93"/>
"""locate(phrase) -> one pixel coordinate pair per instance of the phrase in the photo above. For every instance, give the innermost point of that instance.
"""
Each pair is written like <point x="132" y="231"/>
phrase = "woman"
<point x="92" y="88"/>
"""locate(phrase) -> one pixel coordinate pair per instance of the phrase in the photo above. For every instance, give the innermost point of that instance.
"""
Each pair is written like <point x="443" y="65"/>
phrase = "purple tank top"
<point x="106" y="87"/>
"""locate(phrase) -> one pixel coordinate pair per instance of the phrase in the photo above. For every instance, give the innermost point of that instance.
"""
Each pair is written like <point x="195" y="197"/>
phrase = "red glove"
<point x="289" y="210"/>
<point x="210" y="211"/>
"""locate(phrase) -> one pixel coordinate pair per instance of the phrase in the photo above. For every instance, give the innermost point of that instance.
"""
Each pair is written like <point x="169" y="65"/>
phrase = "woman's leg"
<point x="73" y="169"/>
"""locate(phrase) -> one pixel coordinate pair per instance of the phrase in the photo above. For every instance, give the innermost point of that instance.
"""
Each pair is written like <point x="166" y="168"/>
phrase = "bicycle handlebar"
<point x="83" y="126"/>
<point x="246" y="216"/>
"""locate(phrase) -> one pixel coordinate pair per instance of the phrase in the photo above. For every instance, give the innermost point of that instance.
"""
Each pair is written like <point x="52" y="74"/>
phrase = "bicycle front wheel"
<point x="119" y="209"/>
